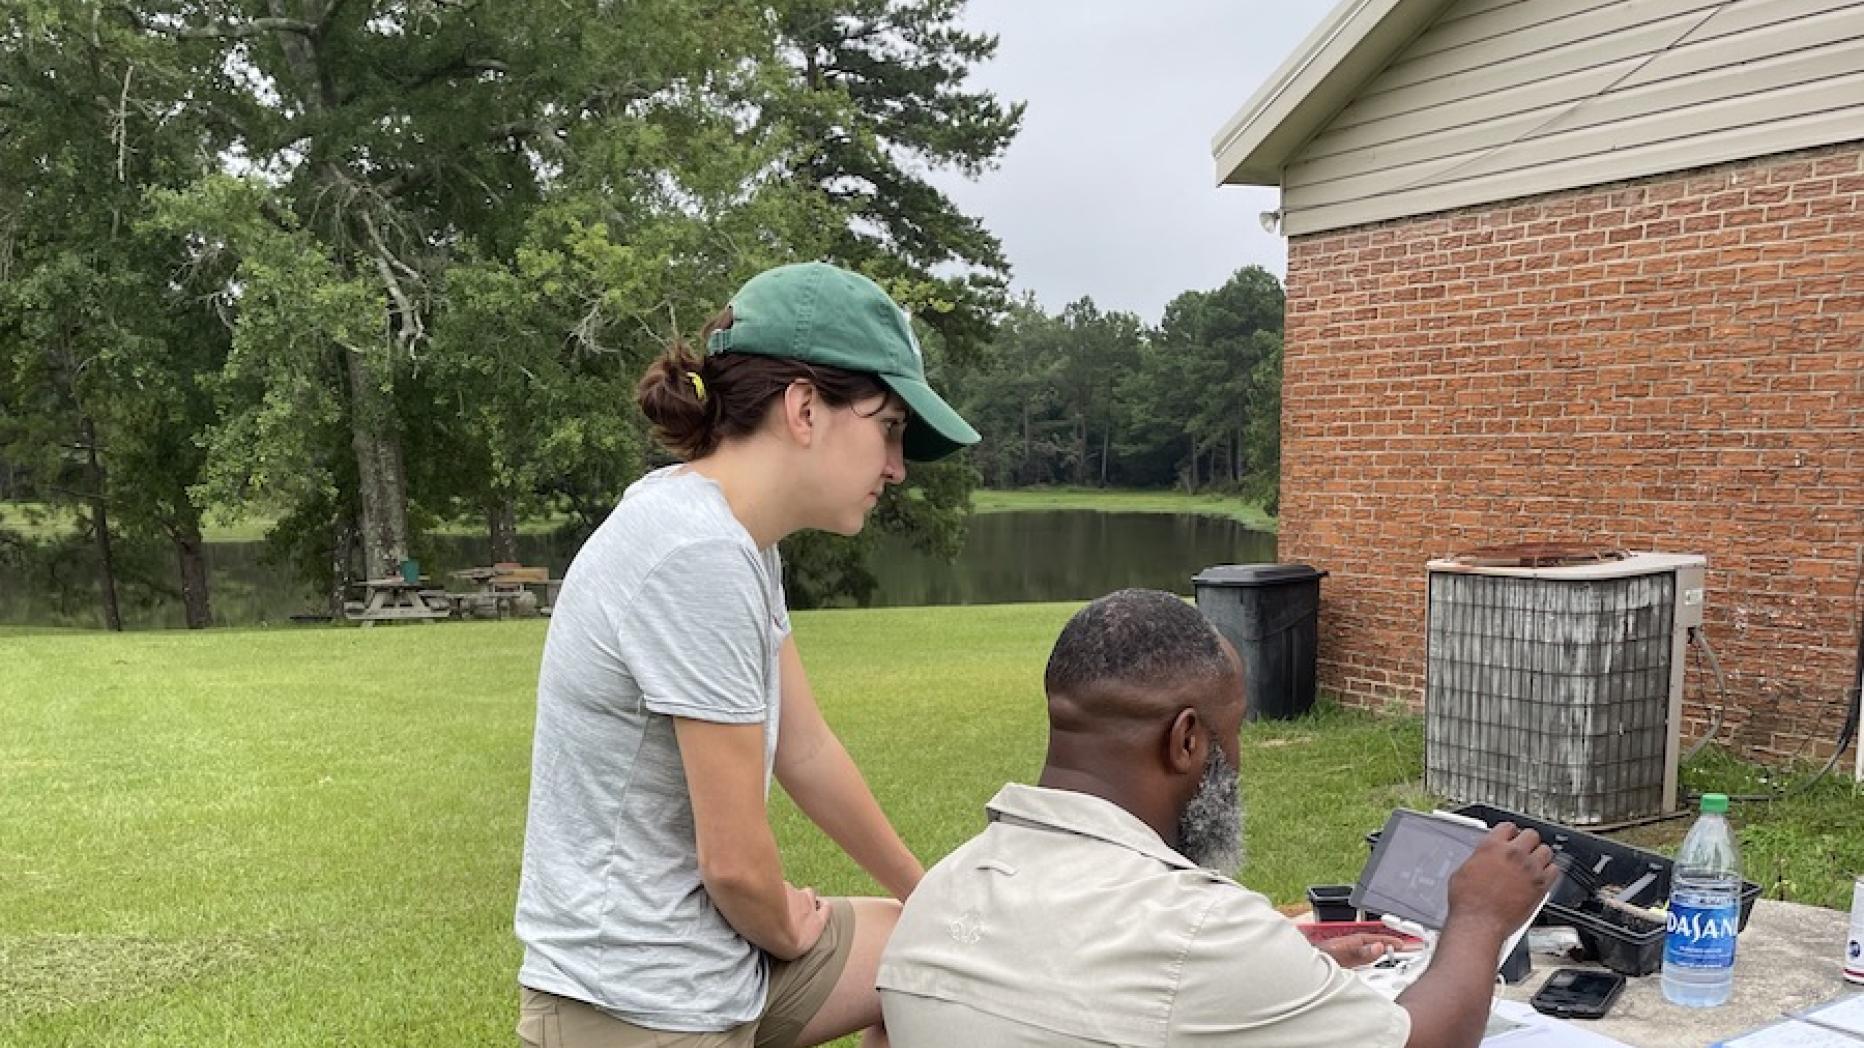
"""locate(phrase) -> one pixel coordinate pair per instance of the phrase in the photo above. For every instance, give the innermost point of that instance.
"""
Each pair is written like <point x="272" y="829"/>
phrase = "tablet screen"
<point x="1409" y="872"/>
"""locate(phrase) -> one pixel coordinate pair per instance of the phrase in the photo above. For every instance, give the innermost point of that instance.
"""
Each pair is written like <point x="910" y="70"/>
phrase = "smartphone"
<point x="1578" y="993"/>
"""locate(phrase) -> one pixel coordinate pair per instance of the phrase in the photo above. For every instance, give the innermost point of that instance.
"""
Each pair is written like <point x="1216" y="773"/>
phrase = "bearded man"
<point x="1097" y="906"/>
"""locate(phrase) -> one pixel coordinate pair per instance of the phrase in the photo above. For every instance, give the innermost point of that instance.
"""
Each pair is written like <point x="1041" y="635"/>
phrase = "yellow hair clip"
<point x="698" y="385"/>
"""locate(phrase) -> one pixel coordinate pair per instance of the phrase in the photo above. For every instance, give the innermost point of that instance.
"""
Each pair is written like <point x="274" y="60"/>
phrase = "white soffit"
<point x="1350" y="46"/>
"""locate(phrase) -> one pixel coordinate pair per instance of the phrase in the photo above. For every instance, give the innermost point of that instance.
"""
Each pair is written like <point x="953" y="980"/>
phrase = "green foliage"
<point x="281" y="419"/>
<point x="874" y="97"/>
<point x="1092" y="398"/>
<point x="1261" y="435"/>
<point x="101" y="352"/>
<point x="1123" y="500"/>
<point x="929" y="511"/>
<point x="346" y="265"/>
<point x="823" y="570"/>
<point x="312" y="540"/>
<point x="1218" y="369"/>
<point x="1802" y="835"/>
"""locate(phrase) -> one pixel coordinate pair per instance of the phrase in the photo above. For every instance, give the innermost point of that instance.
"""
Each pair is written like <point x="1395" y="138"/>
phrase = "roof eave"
<point x="1356" y="40"/>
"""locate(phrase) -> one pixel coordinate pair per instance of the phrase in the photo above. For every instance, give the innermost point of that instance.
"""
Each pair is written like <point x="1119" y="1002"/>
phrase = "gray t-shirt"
<point x="669" y="610"/>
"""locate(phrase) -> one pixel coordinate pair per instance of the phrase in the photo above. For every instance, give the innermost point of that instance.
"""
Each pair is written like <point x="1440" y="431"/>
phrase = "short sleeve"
<point x="696" y="635"/>
<point x="1249" y="978"/>
<point x="779" y="601"/>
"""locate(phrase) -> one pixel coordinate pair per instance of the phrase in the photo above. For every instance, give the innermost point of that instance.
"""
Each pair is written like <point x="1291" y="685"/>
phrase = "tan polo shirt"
<point x="1068" y="922"/>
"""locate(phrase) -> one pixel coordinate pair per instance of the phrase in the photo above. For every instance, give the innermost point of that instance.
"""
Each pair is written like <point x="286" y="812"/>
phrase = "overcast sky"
<point x="1110" y="190"/>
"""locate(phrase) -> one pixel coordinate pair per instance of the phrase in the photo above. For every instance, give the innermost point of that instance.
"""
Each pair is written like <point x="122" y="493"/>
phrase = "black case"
<point x="1578" y="993"/>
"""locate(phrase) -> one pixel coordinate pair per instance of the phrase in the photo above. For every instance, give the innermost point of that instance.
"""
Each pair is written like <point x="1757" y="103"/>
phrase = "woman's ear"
<point x="800" y="405"/>
<point x="1185" y="742"/>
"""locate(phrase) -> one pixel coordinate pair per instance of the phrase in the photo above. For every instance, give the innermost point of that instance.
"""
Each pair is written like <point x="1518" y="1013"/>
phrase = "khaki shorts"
<point x="798" y="989"/>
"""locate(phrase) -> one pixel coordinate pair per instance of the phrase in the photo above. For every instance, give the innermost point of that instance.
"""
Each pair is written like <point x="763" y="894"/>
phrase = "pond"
<point x="1067" y="555"/>
<point x="1038" y="555"/>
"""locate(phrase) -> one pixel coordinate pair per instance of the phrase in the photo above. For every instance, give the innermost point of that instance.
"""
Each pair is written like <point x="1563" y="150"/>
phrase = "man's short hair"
<point x="1134" y="636"/>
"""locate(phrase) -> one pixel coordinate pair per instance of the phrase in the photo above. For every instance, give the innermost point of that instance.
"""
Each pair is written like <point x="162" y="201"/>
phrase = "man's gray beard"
<point x="1210" y="831"/>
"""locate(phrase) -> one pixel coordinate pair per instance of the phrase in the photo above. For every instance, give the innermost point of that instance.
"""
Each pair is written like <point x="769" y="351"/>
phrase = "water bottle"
<point x="1705" y="911"/>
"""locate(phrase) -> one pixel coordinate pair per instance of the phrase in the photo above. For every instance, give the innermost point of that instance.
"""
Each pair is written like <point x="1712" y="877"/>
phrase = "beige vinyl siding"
<point x="1506" y="98"/>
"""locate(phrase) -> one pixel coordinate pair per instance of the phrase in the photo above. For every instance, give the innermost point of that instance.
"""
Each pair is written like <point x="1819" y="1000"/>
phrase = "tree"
<point x="874" y="95"/>
<point x="1091" y="397"/>
<point x="99" y="345"/>
<point x="878" y="95"/>
<point x="1212" y="375"/>
<point x="1009" y="396"/>
<point x="405" y="257"/>
<point x="656" y="216"/>
<point x="387" y="144"/>
<point x="1049" y="396"/>
<point x="347" y="117"/>
<point x="1098" y="348"/>
<point x="541" y="353"/>
<point x="1262" y="433"/>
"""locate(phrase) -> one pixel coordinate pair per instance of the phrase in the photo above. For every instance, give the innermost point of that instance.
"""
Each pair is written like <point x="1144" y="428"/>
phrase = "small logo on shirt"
<point x="967" y="929"/>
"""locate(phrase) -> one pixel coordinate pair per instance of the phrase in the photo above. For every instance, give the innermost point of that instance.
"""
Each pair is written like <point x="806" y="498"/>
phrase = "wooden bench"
<point x="505" y="588"/>
<point x="518" y="575"/>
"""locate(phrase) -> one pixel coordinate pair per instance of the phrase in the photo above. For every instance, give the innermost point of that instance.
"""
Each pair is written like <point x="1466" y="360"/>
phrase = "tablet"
<point x="1408" y="874"/>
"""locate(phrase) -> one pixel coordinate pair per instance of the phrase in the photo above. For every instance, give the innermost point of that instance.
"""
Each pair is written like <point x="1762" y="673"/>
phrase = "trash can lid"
<point x="1256" y="575"/>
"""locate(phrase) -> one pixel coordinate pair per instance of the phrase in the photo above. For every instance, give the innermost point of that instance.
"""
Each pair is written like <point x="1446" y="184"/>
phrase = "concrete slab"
<point x="1788" y="957"/>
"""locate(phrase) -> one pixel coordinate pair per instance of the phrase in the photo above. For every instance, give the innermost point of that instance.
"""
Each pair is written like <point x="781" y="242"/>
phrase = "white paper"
<point x="1845" y="1013"/>
<point x="1535" y="1030"/>
<point x="1791" y="1034"/>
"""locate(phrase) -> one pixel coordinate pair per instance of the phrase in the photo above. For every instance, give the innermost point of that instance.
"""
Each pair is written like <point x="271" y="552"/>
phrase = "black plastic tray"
<point x="1620" y="941"/>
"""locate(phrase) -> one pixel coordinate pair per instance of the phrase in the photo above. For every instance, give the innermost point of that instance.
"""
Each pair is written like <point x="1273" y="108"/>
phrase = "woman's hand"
<point x="808" y="918"/>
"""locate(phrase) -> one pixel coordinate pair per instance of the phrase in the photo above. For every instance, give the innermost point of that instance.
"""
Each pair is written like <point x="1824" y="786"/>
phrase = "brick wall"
<point x="1671" y="364"/>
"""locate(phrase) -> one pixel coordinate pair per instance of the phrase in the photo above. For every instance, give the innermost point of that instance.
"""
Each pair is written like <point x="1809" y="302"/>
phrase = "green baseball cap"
<point x="823" y="314"/>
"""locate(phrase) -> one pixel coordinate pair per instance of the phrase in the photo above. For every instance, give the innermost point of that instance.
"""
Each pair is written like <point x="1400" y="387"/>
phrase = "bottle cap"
<point x="1715" y="803"/>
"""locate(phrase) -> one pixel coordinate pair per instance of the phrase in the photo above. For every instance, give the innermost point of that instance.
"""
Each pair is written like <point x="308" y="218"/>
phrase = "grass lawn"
<point x="35" y="520"/>
<point x="311" y="836"/>
<point x="1123" y="501"/>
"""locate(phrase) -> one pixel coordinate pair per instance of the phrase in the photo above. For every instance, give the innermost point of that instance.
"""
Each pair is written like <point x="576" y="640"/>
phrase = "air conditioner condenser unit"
<point x="1557" y="691"/>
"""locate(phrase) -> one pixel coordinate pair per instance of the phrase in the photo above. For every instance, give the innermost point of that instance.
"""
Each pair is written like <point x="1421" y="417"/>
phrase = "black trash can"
<point x="1271" y="613"/>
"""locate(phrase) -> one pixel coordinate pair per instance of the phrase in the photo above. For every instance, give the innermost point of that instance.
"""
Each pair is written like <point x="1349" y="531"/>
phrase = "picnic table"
<point x="506" y="589"/>
<point x="396" y="599"/>
<point x="1789" y="957"/>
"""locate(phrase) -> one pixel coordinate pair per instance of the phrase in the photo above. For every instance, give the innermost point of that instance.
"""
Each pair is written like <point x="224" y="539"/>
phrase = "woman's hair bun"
<point x="673" y="396"/>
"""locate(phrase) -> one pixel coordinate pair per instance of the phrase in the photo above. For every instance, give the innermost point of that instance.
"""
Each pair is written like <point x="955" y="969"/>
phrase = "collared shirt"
<point x="1069" y="922"/>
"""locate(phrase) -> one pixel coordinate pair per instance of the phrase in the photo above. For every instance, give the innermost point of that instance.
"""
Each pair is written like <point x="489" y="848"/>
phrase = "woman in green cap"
<point x="653" y="907"/>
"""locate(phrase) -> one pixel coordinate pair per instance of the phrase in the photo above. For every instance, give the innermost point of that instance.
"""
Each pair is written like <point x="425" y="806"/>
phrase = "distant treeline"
<point x="1092" y="398"/>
